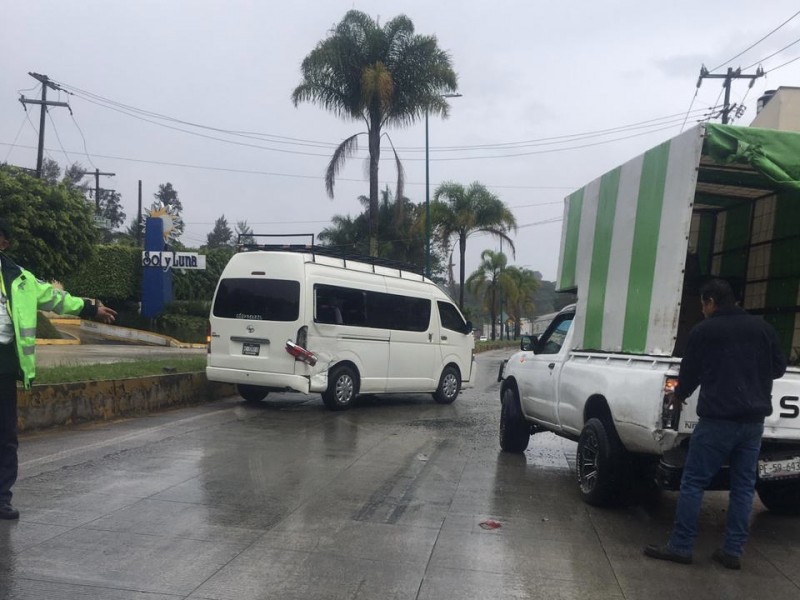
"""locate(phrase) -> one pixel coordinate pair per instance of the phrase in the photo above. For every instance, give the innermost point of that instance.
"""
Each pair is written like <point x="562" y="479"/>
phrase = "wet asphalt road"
<point x="287" y="500"/>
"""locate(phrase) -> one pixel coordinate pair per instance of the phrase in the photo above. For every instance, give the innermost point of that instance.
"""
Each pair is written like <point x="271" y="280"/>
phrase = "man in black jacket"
<point x="733" y="357"/>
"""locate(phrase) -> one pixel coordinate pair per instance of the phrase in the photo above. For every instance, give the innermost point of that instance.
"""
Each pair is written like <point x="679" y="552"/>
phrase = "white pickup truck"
<point x="637" y="243"/>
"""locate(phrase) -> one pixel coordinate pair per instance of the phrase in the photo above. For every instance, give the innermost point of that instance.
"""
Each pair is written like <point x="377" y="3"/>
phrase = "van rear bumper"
<point x="276" y="381"/>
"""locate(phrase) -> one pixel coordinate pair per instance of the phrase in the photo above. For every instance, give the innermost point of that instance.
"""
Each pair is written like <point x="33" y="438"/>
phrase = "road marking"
<point x="118" y="440"/>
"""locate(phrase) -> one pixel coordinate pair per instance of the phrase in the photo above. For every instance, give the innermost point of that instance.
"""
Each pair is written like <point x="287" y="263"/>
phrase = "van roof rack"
<point x="333" y="252"/>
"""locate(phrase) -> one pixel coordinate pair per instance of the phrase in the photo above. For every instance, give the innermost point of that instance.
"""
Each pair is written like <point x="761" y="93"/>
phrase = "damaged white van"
<point x="311" y="320"/>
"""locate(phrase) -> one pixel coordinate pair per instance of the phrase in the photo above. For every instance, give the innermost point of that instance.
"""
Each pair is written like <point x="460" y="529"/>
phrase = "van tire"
<point x="599" y="463"/>
<point x="449" y="386"/>
<point x="515" y="433"/>
<point x="251" y="393"/>
<point x="342" y="388"/>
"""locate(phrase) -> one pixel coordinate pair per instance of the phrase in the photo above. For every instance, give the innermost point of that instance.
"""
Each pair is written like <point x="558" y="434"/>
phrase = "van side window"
<point x="451" y="318"/>
<point x="553" y="339"/>
<point x="258" y="299"/>
<point x="361" y="308"/>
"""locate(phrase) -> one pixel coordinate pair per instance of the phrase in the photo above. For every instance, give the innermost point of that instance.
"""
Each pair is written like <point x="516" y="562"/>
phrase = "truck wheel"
<point x="780" y="497"/>
<point x="599" y="463"/>
<point x="342" y="388"/>
<point x="515" y="433"/>
<point x="251" y="393"/>
<point x="449" y="386"/>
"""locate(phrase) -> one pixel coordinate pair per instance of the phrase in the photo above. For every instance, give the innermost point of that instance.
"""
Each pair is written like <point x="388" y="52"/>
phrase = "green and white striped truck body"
<point x="636" y="243"/>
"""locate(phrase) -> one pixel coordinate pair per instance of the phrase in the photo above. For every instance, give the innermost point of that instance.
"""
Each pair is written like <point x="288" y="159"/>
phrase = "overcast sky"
<point x="528" y="71"/>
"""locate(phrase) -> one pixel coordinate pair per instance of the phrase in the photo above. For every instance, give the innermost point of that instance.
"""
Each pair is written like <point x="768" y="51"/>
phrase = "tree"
<point x="400" y="236"/>
<point x="243" y="233"/>
<point x="51" y="172"/>
<point x="486" y="282"/>
<point x="73" y="176"/>
<point x="386" y="76"/>
<point x="221" y="235"/>
<point x="53" y="226"/>
<point x="111" y="208"/>
<point x="457" y="211"/>
<point x="520" y="285"/>
<point x="168" y="196"/>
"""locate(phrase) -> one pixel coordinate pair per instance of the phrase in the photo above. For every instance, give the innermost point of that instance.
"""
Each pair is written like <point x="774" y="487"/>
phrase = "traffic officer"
<point x="21" y="296"/>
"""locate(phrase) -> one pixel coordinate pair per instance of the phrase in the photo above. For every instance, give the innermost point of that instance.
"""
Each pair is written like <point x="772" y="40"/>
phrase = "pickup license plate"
<point x="250" y="349"/>
<point x="777" y="469"/>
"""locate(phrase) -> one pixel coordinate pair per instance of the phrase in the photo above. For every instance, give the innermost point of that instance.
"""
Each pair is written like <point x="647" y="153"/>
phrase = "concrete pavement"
<point x="232" y="501"/>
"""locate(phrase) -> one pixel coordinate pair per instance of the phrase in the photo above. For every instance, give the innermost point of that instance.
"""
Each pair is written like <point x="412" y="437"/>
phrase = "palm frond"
<point x="343" y="151"/>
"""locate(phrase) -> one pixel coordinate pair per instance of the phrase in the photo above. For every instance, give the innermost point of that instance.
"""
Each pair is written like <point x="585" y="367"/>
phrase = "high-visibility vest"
<point x="27" y="295"/>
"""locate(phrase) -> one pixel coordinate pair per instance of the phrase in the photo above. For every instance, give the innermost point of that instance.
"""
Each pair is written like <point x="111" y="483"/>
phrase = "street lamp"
<point x="428" y="194"/>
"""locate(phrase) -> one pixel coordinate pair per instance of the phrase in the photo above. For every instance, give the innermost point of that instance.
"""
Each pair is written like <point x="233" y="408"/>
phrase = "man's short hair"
<point x="719" y="291"/>
<point x="5" y="229"/>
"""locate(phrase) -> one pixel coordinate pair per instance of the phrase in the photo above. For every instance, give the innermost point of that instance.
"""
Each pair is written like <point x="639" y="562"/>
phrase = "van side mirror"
<point x="468" y="327"/>
<point x="528" y="342"/>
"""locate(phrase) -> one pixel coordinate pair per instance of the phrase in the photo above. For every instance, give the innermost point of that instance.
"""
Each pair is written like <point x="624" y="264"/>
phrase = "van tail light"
<point x="670" y="417"/>
<point x="208" y="337"/>
<point x="297" y="349"/>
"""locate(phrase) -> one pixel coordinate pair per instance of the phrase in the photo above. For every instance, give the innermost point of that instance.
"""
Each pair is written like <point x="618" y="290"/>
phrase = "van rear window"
<point x="258" y="299"/>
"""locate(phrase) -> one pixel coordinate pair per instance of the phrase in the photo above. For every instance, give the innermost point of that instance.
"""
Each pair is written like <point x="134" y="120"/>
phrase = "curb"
<point x="55" y="405"/>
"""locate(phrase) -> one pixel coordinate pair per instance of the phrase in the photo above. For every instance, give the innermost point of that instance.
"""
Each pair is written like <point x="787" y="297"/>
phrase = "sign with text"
<point x="174" y="260"/>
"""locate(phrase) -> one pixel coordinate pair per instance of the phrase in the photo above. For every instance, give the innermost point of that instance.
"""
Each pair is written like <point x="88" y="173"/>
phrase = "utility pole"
<point x="139" y="218"/>
<point x="97" y="173"/>
<point x="43" y="104"/>
<point x="729" y="77"/>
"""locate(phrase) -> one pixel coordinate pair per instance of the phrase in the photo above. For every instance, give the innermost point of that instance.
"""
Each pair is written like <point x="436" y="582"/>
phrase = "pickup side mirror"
<point x="528" y="342"/>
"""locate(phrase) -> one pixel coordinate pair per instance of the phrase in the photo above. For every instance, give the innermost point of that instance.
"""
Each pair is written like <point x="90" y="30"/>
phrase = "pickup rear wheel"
<point x="342" y="388"/>
<point x="251" y="393"/>
<point x="515" y="433"/>
<point x="599" y="462"/>
<point x="780" y="497"/>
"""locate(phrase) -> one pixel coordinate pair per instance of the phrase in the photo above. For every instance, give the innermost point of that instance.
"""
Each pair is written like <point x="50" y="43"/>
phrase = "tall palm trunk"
<point x="462" y="251"/>
<point x="374" y="160"/>
<point x="493" y="311"/>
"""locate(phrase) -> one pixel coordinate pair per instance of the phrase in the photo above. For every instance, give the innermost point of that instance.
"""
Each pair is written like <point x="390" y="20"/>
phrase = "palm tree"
<point x="520" y="285"/>
<point x="460" y="211"/>
<point x="383" y="75"/>
<point x="487" y="281"/>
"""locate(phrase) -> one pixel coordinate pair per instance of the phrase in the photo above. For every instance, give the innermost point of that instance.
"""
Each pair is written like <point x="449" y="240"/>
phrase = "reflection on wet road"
<point x="286" y="500"/>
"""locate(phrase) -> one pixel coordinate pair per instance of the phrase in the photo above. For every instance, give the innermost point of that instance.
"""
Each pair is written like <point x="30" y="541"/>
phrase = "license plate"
<point x="776" y="469"/>
<point x="250" y="349"/>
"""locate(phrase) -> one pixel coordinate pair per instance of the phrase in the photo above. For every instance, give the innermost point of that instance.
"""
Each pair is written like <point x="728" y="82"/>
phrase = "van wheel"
<point x="342" y="388"/>
<point x="599" y="463"/>
<point x="515" y="433"/>
<point x="251" y="393"/>
<point x="449" y="386"/>
<point x="780" y="497"/>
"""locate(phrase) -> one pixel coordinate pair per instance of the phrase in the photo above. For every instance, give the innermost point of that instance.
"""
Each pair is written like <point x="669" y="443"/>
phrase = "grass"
<point x="121" y="370"/>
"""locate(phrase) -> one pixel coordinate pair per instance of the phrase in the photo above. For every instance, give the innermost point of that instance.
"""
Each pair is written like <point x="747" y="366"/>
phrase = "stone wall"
<point x="70" y="403"/>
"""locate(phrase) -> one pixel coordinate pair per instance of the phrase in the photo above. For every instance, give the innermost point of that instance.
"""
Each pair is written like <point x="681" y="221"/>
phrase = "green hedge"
<point x="114" y="275"/>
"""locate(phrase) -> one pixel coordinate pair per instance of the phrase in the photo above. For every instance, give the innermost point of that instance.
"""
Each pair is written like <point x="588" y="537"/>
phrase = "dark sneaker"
<point x="666" y="553"/>
<point x="8" y="512"/>
<point x="729" y="561"/>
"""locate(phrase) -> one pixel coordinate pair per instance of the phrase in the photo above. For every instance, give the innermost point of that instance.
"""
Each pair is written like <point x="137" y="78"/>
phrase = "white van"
<point x="308" y="320"/>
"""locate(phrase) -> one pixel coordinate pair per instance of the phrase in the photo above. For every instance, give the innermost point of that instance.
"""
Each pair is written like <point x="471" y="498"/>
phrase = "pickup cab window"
<point x="553" y="339"/>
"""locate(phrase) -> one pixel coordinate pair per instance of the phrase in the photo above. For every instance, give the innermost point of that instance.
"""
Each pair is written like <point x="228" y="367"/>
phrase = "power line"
<point x="290" y="175"/>
<point x="751" y="46"/>
<point x="771" y="55"/>
<point x="83" y="137"/>
<point x="136" y="113"/>
<point x="58" y="137"/>
<point x="16" y="137"/>
<point x="783" y="65"/>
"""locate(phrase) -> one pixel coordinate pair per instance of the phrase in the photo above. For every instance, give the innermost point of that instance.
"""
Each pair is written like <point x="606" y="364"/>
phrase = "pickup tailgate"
<point x="784" y="422"/>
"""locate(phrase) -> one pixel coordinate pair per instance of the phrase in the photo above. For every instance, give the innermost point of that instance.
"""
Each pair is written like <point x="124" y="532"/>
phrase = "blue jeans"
<point x="713" y="444"/>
